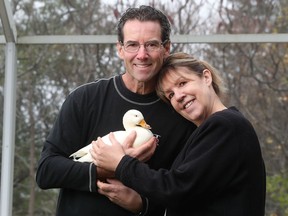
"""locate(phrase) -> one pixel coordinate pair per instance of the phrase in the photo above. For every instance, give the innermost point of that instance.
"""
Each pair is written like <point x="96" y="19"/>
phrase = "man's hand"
<point x="121" y="195"/>
<point x="143" y="152"/>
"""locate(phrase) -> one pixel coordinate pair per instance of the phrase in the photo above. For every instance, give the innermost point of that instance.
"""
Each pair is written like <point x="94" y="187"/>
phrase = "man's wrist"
<point x="103" y="174"/>
<point x="145" y="205"/>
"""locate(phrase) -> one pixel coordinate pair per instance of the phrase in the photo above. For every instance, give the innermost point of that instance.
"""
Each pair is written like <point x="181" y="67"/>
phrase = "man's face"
<point x="142" y="65"/>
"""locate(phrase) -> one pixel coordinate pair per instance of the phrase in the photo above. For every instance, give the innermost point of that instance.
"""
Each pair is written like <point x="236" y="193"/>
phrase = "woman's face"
<point x="191" y="96"/>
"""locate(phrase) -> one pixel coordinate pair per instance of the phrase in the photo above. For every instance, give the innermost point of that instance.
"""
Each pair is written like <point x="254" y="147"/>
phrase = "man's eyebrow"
<point x="131" y="41"/>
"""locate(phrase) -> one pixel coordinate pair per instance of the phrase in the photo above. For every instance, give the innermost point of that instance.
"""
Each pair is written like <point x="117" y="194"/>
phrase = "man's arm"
<point x="117" y="192"/>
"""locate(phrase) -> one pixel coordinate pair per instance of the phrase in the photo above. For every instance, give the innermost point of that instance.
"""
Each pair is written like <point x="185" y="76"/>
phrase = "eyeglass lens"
<point x="150" y="46"/>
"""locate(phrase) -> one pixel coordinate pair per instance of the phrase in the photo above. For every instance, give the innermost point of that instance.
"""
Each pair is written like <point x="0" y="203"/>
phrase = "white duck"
<point x="132" y="120"/>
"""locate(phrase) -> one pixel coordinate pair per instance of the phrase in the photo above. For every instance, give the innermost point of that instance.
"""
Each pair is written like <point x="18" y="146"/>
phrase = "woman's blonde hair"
<point x="194" y="65"/>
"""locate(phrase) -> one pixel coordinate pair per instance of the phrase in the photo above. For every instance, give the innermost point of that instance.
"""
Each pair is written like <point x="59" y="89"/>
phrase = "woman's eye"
<point x="182" y="83"/>
<point x="170" y="96"/>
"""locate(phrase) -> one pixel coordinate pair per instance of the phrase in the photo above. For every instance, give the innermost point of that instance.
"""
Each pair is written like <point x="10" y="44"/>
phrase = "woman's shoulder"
<point x="229" y="118"/>
<point x="229" y="114"/>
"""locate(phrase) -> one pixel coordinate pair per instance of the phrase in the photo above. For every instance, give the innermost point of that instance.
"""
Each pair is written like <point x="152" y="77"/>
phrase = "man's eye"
<point x="132" y="45"/>
<point x="152" y="44"/>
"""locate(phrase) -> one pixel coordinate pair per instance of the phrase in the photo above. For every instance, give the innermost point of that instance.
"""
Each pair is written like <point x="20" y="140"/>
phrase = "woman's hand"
<point x="107" y="156"/>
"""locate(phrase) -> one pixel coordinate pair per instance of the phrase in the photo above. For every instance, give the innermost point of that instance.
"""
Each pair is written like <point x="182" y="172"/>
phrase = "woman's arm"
<point x="212" y="153"/>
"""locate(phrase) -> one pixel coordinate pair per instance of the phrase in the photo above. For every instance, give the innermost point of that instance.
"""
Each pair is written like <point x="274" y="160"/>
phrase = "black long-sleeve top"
<point x="219" y="172"/>
<point x="93" y="110"/>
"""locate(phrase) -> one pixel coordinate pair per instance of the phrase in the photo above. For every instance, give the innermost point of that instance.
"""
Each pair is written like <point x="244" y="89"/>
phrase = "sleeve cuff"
<point x="125" y="161"/>
<point x="92" y="178"/>
<point x="145" y="205"/>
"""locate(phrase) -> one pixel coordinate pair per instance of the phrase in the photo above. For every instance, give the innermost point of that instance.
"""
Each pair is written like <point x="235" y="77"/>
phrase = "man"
<point x="96" y="108"/>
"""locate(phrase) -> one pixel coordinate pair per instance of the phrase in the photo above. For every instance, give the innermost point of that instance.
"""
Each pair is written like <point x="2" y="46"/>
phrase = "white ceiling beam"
<point x="68" y="39"/>
<point x="111" y="39"/>
<point x="231" y="38"/>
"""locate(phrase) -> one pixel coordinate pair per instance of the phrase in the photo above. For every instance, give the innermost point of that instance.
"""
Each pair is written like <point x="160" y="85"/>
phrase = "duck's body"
<point x="133" y="120"/>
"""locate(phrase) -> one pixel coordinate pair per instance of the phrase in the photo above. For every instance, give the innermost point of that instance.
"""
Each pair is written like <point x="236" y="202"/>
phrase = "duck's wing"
<point x="143" y="135"/>
<point x="85" y="158"/>
<point x="81" y="152"/>
<point x="119" y="136"/>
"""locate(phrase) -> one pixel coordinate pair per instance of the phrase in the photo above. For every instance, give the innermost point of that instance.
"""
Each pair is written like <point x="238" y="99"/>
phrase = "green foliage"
<point x="277" y="190"/>
<point x="256" y="74"/>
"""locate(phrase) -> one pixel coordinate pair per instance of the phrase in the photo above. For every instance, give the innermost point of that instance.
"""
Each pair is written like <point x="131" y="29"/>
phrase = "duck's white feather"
<point x="131" y="121"/>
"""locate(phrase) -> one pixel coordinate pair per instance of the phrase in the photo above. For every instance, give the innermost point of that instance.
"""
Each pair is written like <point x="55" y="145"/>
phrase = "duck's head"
<point x="133" y="118"/>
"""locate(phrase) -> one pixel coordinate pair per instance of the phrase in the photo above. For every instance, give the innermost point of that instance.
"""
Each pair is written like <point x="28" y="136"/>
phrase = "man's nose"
<point x="142" y="52"/>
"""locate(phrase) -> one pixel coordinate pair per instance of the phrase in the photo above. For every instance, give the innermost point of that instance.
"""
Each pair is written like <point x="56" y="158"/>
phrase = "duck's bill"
<point x="144" y="124"/>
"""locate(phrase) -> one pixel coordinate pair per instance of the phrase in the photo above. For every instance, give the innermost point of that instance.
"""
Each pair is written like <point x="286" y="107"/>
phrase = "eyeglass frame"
<point x="144" y="44"/>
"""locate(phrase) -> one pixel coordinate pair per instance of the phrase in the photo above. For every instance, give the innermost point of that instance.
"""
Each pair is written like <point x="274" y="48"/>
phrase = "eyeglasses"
<point x="150" y="46"/>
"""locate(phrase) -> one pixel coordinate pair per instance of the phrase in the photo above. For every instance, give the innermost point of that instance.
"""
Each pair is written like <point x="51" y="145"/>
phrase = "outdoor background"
<point x="256" y="75"/>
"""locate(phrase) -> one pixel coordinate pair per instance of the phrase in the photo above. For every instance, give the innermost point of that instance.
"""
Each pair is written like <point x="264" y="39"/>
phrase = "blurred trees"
<point x="256" y="76"/>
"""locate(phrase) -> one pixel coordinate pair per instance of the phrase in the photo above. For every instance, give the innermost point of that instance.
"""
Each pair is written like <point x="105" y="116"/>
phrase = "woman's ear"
<point x="207" y="76"/>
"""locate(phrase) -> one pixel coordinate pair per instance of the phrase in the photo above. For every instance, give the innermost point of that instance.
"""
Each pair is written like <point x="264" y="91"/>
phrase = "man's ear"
<point x="120" y="50"/>
<point x="167" y="47"/>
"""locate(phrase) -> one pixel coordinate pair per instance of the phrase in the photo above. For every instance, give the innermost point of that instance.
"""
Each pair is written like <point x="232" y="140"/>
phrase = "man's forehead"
<point x="142" y="27"/>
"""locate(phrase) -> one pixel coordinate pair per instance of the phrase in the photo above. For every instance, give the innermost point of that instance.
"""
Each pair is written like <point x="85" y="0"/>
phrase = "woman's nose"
<point x="179" y="96"/>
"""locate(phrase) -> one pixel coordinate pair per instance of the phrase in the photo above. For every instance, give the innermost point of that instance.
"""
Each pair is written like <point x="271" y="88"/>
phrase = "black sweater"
<point x="93" y="110"/>
<point x="219" y="172"/>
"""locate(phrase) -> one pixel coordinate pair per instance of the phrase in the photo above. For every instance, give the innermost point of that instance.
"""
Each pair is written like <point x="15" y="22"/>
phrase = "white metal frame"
<point x="11" y="40"/>
<point x="111" y="39"/>
<point x="8" y="145"/>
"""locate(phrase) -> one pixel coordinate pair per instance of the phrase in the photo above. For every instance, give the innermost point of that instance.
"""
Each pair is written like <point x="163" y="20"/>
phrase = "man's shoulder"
<point x="94" y="85"/>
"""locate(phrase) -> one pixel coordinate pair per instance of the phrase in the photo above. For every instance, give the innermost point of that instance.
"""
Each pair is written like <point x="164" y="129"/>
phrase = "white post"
<point x="8" y="145"/>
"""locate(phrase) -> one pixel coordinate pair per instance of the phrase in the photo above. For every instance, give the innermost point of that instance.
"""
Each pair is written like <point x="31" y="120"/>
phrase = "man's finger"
<point x="146" y="151"/>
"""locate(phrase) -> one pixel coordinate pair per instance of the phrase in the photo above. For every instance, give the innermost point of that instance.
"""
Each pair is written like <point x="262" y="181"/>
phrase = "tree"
<point x="257" y="78"/>
<point x="46" y="75"/>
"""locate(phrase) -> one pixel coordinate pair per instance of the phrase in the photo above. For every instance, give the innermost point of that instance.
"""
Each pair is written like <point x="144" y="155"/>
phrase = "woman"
<point x="220" y="170"/>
